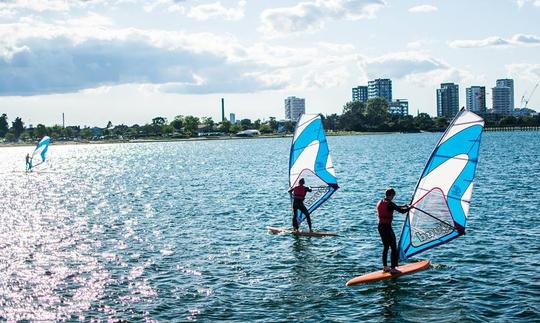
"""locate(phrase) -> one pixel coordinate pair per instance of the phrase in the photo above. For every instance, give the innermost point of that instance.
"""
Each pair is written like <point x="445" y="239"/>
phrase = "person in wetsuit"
<point x="299" y="194"/>
<point x="28" y="163"/>
<point x="385" y="211"/>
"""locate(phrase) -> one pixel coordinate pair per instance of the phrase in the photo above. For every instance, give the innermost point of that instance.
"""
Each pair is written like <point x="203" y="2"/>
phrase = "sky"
<point x="127" y="61"/>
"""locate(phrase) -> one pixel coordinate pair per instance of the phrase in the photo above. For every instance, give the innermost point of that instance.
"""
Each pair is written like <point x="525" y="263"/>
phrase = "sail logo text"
<point x="433" y="233"/>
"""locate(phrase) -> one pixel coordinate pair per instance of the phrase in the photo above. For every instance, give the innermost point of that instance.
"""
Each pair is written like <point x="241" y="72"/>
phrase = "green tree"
<point x="207" y="122"/>
<point x="85" y="133"/>
<point x="376" y="112"/>
<point x="331" y="122"/>
<point x="508" y="121"/>
<point x="441" y="123"/>
<point x="159" y="121"/>
<point x="17" y="128"/>
<point x="288" y="126"/>
<point x="257" y="124"/>
<point x="4" y="125"/>
<point x="235" y="128"/>
<point x="423" y="122"/>
<point x="245" y="124"/>
<point x="191" y="125"/>
<point x="167" y="129"/>
<point x="265" y="128"/>
<point x="273" y="124"/>
<point x="352" y="118"/>
<point x="109" y="125"/>
<point x="178" y="123"/>
<point x="225" y="126"/>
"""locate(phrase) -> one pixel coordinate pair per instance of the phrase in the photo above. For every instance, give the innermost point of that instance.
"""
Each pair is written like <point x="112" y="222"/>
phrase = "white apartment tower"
<point x="294" y="108"/>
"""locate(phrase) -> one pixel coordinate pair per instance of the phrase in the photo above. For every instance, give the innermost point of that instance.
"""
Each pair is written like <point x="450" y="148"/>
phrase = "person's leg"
<point x="294" y="221"/>
<point x="394" y="252"/>
<point x="386" y="243"/>
<point x="308" y="218"/>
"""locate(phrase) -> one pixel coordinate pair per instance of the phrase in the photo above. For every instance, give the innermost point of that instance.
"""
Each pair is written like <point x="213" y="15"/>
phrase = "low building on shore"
<point x="248" y="133"/>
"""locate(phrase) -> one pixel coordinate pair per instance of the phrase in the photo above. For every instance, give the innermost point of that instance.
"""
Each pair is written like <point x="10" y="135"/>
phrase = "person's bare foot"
<point x="386" y="269"/>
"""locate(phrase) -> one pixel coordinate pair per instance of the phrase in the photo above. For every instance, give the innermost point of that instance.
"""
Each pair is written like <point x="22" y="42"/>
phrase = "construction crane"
<point x="529" y="98"/>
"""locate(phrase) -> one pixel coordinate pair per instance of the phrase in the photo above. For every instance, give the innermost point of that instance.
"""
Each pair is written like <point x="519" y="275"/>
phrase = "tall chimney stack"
<point x="222" y="109"/>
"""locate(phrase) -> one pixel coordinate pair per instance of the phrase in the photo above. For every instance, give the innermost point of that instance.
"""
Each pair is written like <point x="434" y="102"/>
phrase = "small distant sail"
<point x="443" y="193"/>
<point x="310" y="159"/>
<point x="40" y="152"/>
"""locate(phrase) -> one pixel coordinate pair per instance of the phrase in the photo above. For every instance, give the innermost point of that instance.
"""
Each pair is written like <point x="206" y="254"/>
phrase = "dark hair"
<point x="390" y="192"/>
<point x="301" y="181"/>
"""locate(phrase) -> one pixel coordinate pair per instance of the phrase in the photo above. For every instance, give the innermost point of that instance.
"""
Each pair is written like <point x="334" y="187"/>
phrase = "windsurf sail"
<point x="310" y="159"/>
<point x="440" y="203"/>
<point x="40" y="153"/>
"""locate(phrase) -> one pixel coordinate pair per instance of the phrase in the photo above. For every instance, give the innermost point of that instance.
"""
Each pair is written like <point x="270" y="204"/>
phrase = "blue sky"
<point x="130" y="60"/>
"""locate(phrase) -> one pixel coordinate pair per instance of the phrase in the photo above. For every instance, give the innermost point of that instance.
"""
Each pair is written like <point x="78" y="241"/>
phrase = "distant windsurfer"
<point x="28" y="163"/>
<point x="385" y="211"/>
<point x="299" y="194"/>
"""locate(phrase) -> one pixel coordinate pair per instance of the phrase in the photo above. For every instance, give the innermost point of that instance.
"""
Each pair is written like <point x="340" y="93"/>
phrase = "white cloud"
<point x="423" y="8"/>
<point x="401" y="64"/>
<point x="413" y="67"/>
<point x="525" y="39"/>
<point x="310" y="16"/>
<point x="526" y="71"/>
<point x="217" y="10"/>
<point x="496" y="41"/>
<point x="521" y="3"/>
<point x="486" y="42"/>
<point x="39" y="58"/>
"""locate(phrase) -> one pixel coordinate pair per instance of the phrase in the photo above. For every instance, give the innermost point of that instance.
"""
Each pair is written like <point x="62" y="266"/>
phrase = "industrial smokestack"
<point x="222" y="109"/>
<point x="63" y="121"/>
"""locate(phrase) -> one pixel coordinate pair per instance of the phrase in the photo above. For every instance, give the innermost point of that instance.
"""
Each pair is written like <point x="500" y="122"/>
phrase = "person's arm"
<point x="292" y="188"/>
<point x="308" y="189"/>
<point x="401" y="209"/>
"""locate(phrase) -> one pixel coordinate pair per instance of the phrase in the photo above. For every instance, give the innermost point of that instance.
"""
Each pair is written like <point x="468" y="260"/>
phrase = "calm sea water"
<point x="176" y="231"/>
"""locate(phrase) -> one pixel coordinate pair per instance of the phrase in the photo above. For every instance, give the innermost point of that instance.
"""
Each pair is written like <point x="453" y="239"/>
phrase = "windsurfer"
<point x="385" y="211"/>
<point x="28" y="162"/>
<point x="299" y="194"/>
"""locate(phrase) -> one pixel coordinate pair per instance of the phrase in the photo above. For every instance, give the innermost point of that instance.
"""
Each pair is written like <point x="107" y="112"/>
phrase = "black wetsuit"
<point x="389" y="238"/>
<point x="298" y="205"/>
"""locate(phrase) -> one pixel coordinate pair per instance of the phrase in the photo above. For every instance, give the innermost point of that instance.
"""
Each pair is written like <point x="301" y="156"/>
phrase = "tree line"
<point x="370" y="116"/>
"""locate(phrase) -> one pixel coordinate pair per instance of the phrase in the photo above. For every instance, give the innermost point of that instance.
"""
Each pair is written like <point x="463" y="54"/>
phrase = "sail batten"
<point x="442" y="195"/>
<point x="310" y="159"/>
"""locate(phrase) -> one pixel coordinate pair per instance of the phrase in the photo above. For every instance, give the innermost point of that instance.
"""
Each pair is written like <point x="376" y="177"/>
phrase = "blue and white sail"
<point x="310" y="159"/>
<point x="443" y="193"/>
<point x="40" y="153"/>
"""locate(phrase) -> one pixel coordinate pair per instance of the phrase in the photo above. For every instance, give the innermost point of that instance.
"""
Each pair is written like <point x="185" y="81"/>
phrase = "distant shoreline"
<point x="217" y="138"/>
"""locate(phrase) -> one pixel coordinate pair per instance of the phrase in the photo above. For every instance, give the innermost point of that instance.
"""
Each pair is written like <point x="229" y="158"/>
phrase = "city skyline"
<point x="130" y="61"/>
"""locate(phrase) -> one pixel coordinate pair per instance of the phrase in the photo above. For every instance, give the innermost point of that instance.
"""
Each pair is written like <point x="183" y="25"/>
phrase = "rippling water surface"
<point x="176" y="231"/>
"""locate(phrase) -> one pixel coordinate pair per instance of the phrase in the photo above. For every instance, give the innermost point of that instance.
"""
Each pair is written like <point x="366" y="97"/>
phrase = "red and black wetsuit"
<point x="385" y="213"/>
<point x="299" y="194"/>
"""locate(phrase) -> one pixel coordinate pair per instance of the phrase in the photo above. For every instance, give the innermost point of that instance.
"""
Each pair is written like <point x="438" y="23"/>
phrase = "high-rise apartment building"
<point x="503" y="97"/>
<point x="448" y="100"/>
<point x="360" y="93"/>
<point x="294" y="108"/>
<point x="380" y="88"/>
<point x="399" y="107"/>
<point x="476" y="99"/>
